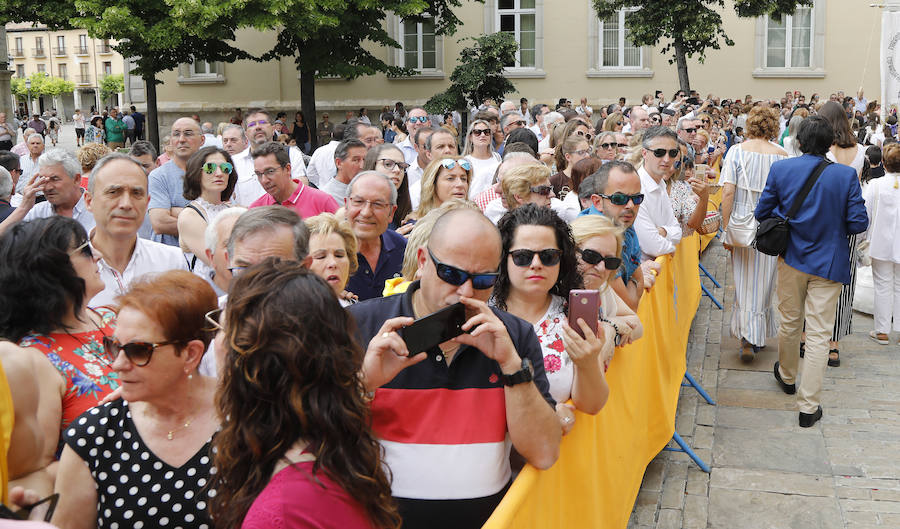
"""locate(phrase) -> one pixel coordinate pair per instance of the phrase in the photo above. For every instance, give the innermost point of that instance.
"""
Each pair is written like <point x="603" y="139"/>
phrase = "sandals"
<point x="834" y="361"/>
<point x="748" y="351"/>
<point x="880" y="337"/>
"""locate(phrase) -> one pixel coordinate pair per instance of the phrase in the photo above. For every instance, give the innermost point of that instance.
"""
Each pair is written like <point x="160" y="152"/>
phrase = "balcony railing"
<point x="16" y="53"/>
<point x="39" y="52"/>
<point x="59" y="51"/>
<point x="83" y="79"/>
<point x="82" y="50"/>
<point x="104" y="48"/>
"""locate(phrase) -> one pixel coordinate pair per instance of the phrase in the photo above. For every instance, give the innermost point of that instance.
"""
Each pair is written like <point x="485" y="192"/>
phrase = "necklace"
<point x="171" y="434"/>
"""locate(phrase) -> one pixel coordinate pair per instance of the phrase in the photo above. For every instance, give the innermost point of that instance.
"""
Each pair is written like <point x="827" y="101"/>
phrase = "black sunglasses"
<point x="659" y="153"/>
<point x="138" y="353"/>
<point x="457" y="276"/>
<point x="476" y="132"/>
<point x="689" y="131"/>
<point x="524" y="257"/>
<point x="592" y="257"/>
<point x="544" y="190"/>
<point x="620" y="199"/>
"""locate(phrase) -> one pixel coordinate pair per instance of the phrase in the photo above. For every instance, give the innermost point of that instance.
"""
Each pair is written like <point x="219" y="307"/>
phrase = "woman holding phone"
<point x="538" y="269"/>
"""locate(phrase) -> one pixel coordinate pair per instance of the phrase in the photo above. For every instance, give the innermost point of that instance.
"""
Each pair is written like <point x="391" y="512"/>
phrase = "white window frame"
<point x="396" y="56"/>
<point x="595" y="67"/>
<point x="213" y="73"/>
<point x="20" y="45"/>
<point x="492" y="14"/>
<point x="420" y="52"/>
<point x="816" y="68"/>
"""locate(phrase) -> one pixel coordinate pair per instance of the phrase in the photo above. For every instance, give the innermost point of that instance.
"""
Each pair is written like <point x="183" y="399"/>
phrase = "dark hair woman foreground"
<point x="294" y="420"/>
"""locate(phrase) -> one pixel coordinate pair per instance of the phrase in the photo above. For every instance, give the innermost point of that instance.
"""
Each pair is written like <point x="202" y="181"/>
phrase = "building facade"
<point x="71" y="55"/>
<point x="565" y="51"/>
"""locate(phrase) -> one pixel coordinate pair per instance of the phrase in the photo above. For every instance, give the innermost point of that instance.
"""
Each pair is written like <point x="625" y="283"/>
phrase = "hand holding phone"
<point x="434" y="329"/>
<point x="584" y="304"/>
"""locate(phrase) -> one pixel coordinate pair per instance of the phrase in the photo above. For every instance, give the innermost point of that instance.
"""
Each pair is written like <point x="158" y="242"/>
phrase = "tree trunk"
<point x="151" y="123"/>
<point x="681" y="61"/>
<point x="308" y="104"/>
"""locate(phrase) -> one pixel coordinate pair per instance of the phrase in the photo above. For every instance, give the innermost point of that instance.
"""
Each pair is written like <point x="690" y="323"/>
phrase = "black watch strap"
<point x="526" y="374"/>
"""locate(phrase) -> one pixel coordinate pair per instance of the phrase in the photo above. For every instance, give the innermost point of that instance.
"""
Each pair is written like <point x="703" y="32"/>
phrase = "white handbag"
<point x="741" y="230"/>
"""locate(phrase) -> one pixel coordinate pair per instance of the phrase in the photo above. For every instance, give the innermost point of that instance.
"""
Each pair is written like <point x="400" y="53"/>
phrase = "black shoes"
<point x="809" y="419"/>
<point x="790" y="389"/>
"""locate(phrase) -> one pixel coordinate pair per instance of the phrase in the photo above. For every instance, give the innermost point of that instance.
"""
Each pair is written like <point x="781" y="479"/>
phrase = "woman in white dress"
<point x="744" y="173"/>
<point x="845" y="150"/>
<point x="209" y="180"/>
<point x="480" y="152"/>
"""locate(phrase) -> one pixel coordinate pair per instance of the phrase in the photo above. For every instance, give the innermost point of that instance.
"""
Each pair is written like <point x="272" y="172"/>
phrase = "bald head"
<point x="186" y="138"/>
<point x="468" y="227"/>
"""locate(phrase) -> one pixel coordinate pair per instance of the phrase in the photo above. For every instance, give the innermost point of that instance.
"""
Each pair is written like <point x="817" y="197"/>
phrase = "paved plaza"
<point x="767" y="472"/>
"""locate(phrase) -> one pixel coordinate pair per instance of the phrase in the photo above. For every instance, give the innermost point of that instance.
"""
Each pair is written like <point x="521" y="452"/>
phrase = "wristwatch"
<point x="526" y="374"/>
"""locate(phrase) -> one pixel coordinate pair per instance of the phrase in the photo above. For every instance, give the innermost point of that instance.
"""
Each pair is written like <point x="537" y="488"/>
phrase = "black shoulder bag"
<point x="773" y="233"/>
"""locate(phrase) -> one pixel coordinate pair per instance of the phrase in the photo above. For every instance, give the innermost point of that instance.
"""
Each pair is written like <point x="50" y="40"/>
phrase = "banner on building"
<point x="890" y="60"/>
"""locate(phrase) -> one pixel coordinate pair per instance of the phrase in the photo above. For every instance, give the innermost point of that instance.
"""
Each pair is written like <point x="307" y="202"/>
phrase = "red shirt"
<point x="306" y="201"/>
<point x="293" y="499"/>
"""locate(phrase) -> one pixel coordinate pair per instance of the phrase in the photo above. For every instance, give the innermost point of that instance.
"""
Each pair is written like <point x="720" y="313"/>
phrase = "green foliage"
<point x="41" y="85"/>
<point x="111" y="85"/>
<point x="479" y="74"/>
<point x="56" y="86"/>
<point x="693" y="26"/>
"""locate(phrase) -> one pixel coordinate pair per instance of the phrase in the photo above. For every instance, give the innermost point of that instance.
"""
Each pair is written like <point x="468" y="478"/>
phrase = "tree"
<point x="328" y="38"/>
<point x="111" y="84"/>
<point x="689" y="27"/>
<point x="479" y="74"/>
<point x="157" y="35"/>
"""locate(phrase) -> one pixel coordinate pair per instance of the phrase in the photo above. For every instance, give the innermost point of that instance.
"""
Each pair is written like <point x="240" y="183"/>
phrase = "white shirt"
<point x="883" y="207"/>
<point x="247" y="189"/>
<point x="536" y="129"/>
<point x="409" y="151"/>
<point x="570" y="206"/>
<point x="482" y="173"/>
<point x="321" y="164"/>
<point x="79" y="120"/>
<point x="148" y="257"/>
<point x="79" y="212"/>
<point x="584" y="110"/>
<point x="655" y="211"/>
<point x="28" y="167"/>
<point x="210" y="140"/>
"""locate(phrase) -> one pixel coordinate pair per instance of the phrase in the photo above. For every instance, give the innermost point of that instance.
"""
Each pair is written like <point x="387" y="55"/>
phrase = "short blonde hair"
<point x="89" y="154"/>
<point x="519" y="181"/>
<point x="419" y="235"/>
<point x="612" y="121"/>
<point x="589" y="226"/>
<point x="328" y="223"/>
<point x="428" y="197"/>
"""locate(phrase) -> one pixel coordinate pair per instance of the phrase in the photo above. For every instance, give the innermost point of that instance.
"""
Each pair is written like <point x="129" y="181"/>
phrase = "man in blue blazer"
<point x="817" y="260"/>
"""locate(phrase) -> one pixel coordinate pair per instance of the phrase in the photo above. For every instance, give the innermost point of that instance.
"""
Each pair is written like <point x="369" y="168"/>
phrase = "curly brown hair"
<point x="287" y="379"/>
<point x="892" y="157"/>
<point x="762" y="123"/>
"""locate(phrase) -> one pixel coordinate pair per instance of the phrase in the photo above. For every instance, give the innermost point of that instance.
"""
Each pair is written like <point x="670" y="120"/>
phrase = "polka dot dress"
<point x="136" y="489"/>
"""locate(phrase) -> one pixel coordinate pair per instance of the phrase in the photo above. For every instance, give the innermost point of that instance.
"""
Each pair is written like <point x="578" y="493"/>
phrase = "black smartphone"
<point x="693" y="100"/>
<point x="434" y="329"/>
<point x="25" y="512"/>
<point x="584" y="304"/>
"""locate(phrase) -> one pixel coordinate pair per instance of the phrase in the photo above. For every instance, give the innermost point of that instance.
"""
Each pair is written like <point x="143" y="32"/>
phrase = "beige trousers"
<point x="802" y="294"/>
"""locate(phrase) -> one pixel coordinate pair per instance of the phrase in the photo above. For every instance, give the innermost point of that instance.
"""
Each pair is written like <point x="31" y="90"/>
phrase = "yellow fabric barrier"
<point x="6" y="426"/>
<point x="715" y="200"/>
<point x="597" y="477"/>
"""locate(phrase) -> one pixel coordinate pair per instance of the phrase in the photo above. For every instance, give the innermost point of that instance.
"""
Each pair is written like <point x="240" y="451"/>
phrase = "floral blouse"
<point x="83" y="363"/>
<point x="559" y="367"/>
<point x="683" y="203"/>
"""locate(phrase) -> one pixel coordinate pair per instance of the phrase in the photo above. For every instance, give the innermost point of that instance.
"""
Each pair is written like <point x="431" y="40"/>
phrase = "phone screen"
<point x="434" y="329"/>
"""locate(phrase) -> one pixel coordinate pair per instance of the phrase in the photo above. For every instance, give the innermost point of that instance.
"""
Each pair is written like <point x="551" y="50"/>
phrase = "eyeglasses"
<point x="458" y="276"/>
<point x="659" y="153"/>
<point x="185" y="133"/>
<point x="360" y="203"/>
<point x="543" y="190"/>
<point x="268" y="172"/>
<point x="260" y="123"/>
<point x="138" y="353"/>
<point x="620" y="199"/>
<point x="587" y="135"/>
<point x="583" y="152"/>
<point x="210" y="167"/>
<point x="476" y="132"/>
<point x="84" y="248"/>
<point x="524" y="257"/>
<point x="450" y="164"/>
<point x="592" y="258"/>
<point x="418" y="119"/>
<point x="608" y="145"/>
<point x="520" y="123"/>
<point x="391" y="164"/>
<point x="212" y="318"/>
<point x="689" y="131"/>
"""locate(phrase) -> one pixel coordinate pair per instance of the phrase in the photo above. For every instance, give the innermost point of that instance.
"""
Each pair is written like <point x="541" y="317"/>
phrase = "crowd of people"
<point x="214" y="335"/>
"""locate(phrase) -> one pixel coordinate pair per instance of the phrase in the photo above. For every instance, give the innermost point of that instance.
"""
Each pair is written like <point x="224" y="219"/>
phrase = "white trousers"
<point x="886" y="277"/>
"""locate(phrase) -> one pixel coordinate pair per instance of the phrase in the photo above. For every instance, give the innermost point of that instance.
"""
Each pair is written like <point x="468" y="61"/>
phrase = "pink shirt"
<point x="292" y="499"/>
<point x="306" y="201"/>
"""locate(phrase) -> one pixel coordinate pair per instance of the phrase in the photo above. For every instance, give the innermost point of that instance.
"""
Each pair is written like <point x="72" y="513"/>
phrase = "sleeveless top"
<point x="82" y="361"/>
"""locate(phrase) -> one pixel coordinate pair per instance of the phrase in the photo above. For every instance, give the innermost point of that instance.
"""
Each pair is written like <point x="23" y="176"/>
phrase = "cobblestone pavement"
<point x="767" y="472"/>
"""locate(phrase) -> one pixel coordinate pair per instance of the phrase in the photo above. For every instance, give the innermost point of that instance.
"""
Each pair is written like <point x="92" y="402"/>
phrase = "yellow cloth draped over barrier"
<point x="602" y="460"/>
<point x="715" y="200"/>
<point x="7" y="416"/>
